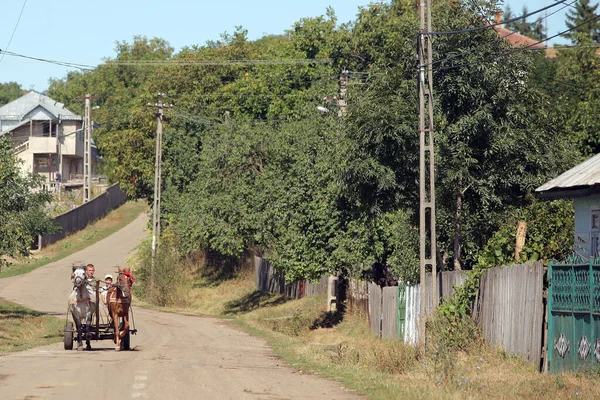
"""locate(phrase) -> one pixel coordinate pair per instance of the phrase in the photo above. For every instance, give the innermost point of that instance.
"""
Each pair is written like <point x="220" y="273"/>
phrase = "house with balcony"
<point x="46" y="136"/>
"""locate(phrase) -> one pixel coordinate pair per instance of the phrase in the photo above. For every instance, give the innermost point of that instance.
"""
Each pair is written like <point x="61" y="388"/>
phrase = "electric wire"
<point x="522" y="48"/>
<point x="496" y="40"/>
<point x="15" y="29"/>
<point x="489" y="26"/>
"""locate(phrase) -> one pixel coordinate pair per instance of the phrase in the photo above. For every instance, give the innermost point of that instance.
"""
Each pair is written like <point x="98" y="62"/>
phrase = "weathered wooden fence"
<point x="510" y="309"/>
<point x="394" y="310"/>
<point x="509" y="306"/>
<point x="79" y="217"/>
<point x="270" y="280"/>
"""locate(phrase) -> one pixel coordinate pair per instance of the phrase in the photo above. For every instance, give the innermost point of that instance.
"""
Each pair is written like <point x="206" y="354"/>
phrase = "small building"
<point x="581" y="184"/>
<point x="46" y="136"/>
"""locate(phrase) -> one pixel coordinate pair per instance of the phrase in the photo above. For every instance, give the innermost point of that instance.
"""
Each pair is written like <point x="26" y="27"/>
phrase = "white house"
<point x="46" y="136"/>
<point x="581" y="184"/>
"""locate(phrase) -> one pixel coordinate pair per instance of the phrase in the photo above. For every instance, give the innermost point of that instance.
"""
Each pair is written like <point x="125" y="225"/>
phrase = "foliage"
<point x="533" y="30"/>
<point x="577" y="86"/>
<point x="162" y="281"/>
<point x="582" y="11"/>
<point x="22" y="215"/>
<point x="550" y="234"/>
<point x="9" y="91"/>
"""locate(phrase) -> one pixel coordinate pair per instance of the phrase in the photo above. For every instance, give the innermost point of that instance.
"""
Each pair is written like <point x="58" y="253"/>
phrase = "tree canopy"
<point x="250" y="164"/>
<point x="22" y="213"/>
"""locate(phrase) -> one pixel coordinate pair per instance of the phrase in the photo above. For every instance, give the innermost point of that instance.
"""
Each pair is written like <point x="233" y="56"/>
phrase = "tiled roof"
<point x="517" y="40"/>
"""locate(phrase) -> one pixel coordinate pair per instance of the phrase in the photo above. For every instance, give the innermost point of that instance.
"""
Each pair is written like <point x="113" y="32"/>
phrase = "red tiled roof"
<point x="517" y="40"/>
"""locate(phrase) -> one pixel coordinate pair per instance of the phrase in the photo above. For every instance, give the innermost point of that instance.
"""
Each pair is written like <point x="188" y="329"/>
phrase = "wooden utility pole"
<point x="427" y="249"/>
<point x="157" y="177"/>
<point x="87" y="149"/>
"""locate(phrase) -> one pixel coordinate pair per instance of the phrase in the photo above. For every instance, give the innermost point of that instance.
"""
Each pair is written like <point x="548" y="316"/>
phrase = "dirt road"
<point x="174" y="356"/>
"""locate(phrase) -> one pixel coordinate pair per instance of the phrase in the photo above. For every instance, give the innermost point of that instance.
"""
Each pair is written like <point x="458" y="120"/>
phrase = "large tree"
<point x="9" y="91"/>
<point x="22" y="213"/>
<point x="533" y="29"/>
<point x="581" y="12"/>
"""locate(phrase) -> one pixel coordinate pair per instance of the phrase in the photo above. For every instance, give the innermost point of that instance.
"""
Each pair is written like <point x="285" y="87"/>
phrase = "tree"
<point x="582" y="12"/>
<point x="22" y="214"/>
<point x="576" y="95"/>
<point x="533" y="30"/>
<point x="9" y="91"/>
<point x="496" y="137"/>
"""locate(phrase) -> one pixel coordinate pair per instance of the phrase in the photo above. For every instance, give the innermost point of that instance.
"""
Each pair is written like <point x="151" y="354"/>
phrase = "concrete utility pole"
<point x="87" y="150"/>
<point x="426" y="165"/>
<point x="157" y="176"/>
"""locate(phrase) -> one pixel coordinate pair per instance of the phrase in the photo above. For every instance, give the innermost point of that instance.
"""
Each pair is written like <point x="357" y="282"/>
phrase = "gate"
<point x="573" y="314"/>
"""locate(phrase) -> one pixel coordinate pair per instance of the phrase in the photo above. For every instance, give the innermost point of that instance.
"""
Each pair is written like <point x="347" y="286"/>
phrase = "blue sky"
<point x="85" y="31"/>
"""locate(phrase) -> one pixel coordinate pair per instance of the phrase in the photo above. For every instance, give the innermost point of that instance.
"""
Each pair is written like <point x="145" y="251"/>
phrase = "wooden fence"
<point x="509" y="306"/>
<point x="270" y="280"/>
<point x="510" y="309"/>
<point x="79" y="217"/>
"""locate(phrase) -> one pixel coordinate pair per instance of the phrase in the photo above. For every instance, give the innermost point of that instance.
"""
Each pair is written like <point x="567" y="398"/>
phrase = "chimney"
<point x="498" y="17"/>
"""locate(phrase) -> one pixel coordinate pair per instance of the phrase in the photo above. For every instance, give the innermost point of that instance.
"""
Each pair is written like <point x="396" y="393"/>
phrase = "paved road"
<point x="174" y="356"/>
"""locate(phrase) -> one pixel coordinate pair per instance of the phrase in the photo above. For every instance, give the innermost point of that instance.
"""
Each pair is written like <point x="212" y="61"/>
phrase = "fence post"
<point x="401" y="309"/>
<point x="550" y="345"/>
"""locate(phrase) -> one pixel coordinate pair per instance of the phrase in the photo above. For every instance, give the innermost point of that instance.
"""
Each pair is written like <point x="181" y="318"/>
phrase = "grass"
<point x="343" y="348"/>
<point x="94" y="232"/>
<point x="22" y="328"/>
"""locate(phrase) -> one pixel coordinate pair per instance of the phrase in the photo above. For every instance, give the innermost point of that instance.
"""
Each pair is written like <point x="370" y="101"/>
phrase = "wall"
<point x="583" y="208"/>
<point x="78" y="218"/>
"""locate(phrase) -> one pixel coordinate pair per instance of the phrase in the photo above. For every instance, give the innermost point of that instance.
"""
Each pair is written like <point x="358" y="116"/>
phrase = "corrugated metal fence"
<point x="79" y="217"/>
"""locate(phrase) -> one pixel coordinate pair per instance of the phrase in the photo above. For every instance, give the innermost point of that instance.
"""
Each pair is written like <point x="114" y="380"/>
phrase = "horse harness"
<point x="112" y="296"/>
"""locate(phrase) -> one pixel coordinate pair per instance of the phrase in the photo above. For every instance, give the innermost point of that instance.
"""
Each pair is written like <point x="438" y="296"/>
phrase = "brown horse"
<point x="118" y="299"/>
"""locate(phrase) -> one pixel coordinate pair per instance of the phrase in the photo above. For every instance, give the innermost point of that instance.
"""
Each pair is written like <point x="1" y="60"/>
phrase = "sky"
<point x="85" y="32"/>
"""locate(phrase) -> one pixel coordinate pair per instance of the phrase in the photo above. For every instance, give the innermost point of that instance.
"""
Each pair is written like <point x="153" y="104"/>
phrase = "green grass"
<point x="22" y="328"/>
<point x="94" y="232"/>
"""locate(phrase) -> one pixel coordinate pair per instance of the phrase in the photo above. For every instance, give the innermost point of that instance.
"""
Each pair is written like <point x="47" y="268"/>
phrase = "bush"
<point x="164" y="284"/>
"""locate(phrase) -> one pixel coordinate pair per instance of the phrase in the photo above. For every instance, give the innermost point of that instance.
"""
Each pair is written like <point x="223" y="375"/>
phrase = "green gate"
<point x="573" y="314"/>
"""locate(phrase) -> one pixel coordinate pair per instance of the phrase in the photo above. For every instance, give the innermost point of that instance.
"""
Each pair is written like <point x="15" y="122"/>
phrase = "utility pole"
<point x="87" y="150"/>
<point x="157" y="177"/>
<point x="427" y="249"/>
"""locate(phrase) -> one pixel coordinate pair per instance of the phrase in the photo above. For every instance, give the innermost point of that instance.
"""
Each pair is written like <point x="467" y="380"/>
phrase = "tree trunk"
<point x="457" y="231"/>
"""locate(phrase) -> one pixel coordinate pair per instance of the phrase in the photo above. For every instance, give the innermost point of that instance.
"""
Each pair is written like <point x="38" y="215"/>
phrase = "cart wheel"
<point x="68" y="339"/>
<point x="125" y="342"/>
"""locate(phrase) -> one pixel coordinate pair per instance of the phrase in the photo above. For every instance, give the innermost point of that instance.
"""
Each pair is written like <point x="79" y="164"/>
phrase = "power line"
<point x="496" y="40"/>
<point x="152" y="63"/>
<point x="492" y="58"/>
<point x="15" y="29"/>
<point x="495" y="24"/>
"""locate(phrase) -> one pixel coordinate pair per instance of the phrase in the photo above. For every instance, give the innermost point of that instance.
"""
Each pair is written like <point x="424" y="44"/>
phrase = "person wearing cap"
<point x="108" y="279"/>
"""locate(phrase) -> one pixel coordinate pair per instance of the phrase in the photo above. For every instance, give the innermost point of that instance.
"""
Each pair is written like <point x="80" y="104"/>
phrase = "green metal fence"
<point x="573" y="314"/>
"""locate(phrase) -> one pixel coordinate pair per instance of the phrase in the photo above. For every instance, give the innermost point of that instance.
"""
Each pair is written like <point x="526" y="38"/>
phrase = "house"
<point x="581" y="184"/>
<point x="46" y="136"/>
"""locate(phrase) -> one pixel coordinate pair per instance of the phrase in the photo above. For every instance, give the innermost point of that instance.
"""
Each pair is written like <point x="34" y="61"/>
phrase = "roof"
<point x="517" y="40"/>
<point x="581" y="180"/>
<point x="19" y="109"/>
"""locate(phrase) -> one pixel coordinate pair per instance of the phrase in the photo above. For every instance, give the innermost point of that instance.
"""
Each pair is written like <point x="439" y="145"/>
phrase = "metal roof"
<point x="585" y="174"/>
<point x="19" y="109"/>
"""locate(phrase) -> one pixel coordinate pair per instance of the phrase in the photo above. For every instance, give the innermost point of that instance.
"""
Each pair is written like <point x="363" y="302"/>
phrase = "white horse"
<point x="82" y="305"/>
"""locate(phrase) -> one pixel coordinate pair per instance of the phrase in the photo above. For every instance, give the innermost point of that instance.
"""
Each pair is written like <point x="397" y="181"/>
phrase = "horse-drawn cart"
<point x="96" y="321"/>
